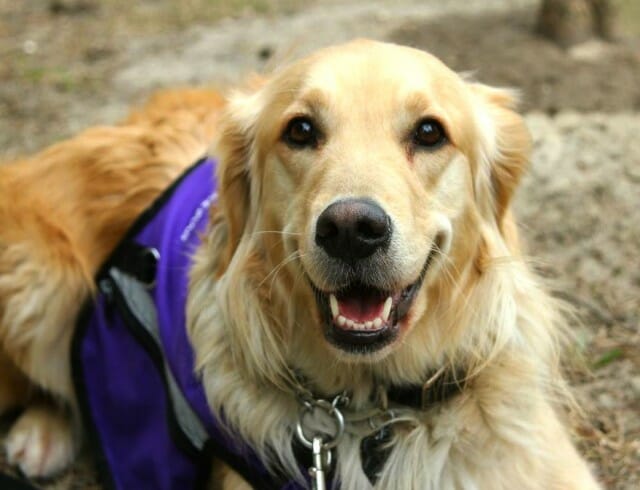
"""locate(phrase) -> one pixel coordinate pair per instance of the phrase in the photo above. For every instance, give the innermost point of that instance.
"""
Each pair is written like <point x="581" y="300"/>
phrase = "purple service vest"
<point x="144" y="408"/>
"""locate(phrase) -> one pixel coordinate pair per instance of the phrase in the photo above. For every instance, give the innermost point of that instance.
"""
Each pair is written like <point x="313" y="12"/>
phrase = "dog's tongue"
<point x="361" y="305"/>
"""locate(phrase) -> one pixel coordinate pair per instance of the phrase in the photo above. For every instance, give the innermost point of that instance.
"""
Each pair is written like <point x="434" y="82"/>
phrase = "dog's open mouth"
<point x="362" y="319"/>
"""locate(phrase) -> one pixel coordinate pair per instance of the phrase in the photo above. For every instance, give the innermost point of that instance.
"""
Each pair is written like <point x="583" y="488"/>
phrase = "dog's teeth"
<point x="345" y="322"/>
<point x="386" y="310"/>
<point x="333" y="303"/>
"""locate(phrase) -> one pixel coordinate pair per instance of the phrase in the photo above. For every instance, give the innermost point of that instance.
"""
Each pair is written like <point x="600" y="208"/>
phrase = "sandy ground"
<point x="67" y="64"/>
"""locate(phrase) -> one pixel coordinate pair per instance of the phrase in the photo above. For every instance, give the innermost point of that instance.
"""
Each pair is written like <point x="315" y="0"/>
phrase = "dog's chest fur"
<point x="494" y="431"/>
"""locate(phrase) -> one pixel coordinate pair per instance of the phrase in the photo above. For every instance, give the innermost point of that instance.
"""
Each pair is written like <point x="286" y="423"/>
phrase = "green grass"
<point x="608" y="357"/>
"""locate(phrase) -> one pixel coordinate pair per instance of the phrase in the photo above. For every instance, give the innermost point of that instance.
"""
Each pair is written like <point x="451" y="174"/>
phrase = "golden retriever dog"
<point x="361" y="250"/>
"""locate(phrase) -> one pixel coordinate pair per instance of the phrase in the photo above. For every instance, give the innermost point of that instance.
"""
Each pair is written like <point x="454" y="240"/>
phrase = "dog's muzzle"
<point x="363" y="308"/>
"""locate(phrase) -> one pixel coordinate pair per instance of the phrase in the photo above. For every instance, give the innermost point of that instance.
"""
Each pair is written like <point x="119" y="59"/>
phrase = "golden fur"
<point x="252" y="317"/>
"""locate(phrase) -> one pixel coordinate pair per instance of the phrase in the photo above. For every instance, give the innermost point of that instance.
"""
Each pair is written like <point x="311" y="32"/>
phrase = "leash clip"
<point x="321" y="443"/>
<point x="321" y="463"/>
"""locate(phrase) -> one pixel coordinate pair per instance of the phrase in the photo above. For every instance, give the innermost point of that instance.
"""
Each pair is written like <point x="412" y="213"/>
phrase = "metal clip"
<point x="321" y="463"/>
<point x="321" y="443"/>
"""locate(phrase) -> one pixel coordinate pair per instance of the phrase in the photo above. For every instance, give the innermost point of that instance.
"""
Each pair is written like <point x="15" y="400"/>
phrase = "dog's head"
<point x="358" y="188"/>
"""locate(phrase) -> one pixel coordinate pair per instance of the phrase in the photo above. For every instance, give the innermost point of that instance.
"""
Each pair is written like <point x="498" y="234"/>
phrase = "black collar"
<point x="441" y="386"/>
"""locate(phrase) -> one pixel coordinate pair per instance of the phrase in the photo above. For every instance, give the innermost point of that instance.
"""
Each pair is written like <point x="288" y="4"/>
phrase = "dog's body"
<point x="362" y="240"/>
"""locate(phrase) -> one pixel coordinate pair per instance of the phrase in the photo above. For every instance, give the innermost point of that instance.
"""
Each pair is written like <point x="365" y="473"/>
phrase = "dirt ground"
<point x="67" y="64"/>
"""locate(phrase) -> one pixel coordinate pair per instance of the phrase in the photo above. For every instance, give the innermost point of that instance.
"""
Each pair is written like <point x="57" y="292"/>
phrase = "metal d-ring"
<point x="329" y="441"/>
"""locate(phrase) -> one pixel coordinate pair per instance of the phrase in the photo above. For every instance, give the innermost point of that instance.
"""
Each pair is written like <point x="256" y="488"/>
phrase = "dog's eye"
<point x="429" y="133"/>
<point x="300" y="133"/>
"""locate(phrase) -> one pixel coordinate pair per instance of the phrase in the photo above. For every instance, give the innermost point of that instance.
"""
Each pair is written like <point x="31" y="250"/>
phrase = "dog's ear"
<point x="505" y="151"/>
<point x="234" y="150"/>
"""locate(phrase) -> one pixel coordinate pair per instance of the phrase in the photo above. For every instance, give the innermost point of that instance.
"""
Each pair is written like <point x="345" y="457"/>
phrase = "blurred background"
<point x="69" y="64"/>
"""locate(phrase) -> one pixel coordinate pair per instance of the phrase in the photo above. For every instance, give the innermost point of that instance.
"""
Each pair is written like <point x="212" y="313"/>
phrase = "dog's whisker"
<point x="275" y="232"/>
<point x="274" y="272"/>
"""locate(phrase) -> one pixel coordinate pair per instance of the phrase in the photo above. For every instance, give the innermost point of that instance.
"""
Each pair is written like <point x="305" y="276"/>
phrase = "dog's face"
<point x="367" y="173"/>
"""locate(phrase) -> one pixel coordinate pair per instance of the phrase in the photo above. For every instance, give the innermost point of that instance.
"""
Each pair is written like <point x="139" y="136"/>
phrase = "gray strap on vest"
<point x="141" y="305"/>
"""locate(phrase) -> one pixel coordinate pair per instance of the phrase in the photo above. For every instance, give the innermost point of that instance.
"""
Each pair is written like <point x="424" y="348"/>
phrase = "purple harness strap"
<point x="132" y="362"/>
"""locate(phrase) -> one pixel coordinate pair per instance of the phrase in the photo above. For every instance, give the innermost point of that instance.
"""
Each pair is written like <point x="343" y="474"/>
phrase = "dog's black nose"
<point x="353" y="229"/>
